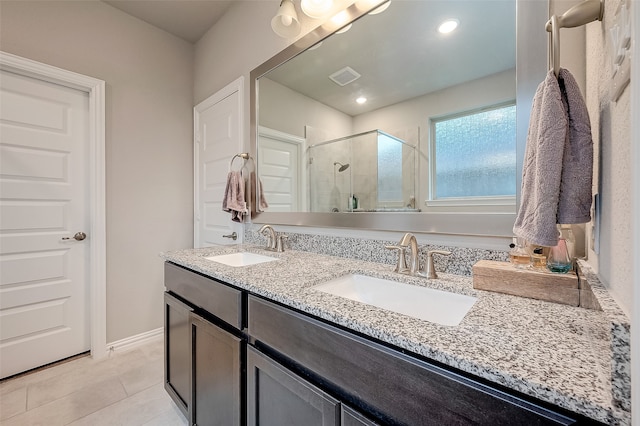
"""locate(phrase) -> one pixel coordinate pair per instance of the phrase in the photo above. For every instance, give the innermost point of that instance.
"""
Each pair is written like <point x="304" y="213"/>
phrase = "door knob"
<point x="233" y="236"/>
<point x="79" y="236"/>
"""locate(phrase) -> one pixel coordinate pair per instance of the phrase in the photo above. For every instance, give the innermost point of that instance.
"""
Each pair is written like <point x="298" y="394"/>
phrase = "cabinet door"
<point x="216" y="375"/>
<point x="350" y="417"/>
<point x="177" y="352"/>
<point x="277" y="397"/>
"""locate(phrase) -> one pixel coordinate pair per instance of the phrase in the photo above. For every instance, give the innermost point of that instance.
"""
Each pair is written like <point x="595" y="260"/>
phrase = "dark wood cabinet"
<point x="400" y="388"/>
<point x="203" y="361"/>
<point x="216" y="375"/>
<point x="277" y="397"/>
<point x="290" y="368"/>
<point x="349" y="417"/>
<point x="177" y="355"/>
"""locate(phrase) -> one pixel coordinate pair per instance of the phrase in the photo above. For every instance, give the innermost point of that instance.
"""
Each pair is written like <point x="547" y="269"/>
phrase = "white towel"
<point x="234" y="201"/>
<point x="549" y="177"/>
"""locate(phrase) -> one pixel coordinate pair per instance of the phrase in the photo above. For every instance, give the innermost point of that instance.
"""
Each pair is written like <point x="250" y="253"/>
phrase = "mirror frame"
<point x="531" y="68"/>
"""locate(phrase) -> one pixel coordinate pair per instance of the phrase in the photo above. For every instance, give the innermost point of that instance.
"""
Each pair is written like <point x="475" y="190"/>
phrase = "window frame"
<point x="491" y="204"/>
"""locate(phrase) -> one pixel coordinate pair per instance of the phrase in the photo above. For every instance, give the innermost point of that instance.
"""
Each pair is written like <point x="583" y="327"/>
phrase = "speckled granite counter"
<point x="565" y="355"/>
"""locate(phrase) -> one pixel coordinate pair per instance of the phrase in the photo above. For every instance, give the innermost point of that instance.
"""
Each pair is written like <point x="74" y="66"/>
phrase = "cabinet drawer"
<point x="401" y="389"/>
<point x="214" y="297"/>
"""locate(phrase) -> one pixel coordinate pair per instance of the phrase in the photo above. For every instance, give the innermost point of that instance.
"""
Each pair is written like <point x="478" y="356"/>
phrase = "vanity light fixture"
<point x="340" y="19"/>
<point x="448" y="26"/>
<point x="381" y="8"/>
<point x="286" y="23"/>
<point x="345" y="29"/>
<point x="316" y="9"/>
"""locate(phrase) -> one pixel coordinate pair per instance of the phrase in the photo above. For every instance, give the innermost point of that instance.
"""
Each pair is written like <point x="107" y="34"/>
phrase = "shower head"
<point x="343" y="167"/>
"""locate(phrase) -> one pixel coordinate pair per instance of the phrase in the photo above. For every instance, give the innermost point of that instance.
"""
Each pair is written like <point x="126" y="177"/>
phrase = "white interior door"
<point x="43" y="199"/>
<point x="218" y="137"/>
<point x="280" y="165"/>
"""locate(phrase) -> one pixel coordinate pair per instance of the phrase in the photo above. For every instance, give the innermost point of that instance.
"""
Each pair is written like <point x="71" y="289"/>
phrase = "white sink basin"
<point x="241" y="259"/>
<point x="436" y="306"/>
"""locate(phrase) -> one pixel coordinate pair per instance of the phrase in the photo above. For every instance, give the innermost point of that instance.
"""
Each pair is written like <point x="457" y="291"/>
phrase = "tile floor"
<point x="125" y="388"/>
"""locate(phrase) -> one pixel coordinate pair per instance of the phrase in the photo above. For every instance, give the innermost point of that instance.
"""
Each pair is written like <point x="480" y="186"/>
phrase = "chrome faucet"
<point x="409" y="240"/>
<point x="270" y="233"/>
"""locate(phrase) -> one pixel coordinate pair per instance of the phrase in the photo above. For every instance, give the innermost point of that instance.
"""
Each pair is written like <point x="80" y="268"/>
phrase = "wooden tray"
<point x="502" y="277"/>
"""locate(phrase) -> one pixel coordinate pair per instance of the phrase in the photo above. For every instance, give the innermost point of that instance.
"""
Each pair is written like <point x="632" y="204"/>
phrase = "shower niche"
<point x="366" y="172"/>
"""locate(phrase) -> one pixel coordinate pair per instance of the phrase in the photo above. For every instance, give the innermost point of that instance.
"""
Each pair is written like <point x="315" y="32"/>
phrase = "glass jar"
<point x="538" y="258"/>
<point x="520" y="256"/>
<point x="559" y="260"/>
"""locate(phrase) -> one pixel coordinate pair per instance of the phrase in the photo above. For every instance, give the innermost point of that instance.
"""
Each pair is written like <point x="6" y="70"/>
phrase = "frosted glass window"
<point x="389" y="169"/>
<point x="475" y="154"/>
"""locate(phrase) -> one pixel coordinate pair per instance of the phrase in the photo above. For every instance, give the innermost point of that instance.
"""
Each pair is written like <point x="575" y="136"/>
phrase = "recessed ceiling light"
<point x="448" y="26"/>
<point x="361" y="100"/>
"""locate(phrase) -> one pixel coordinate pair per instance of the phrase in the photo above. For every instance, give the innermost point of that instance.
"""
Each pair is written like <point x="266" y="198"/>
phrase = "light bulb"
<point x="286" y="20"/>
<point x="316" y="8"/>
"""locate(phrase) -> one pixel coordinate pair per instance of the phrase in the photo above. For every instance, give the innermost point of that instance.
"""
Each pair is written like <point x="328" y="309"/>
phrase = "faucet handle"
<point x="401" y="265"/>
<point x="280" y="242"/>
<point x="430" y="272"/>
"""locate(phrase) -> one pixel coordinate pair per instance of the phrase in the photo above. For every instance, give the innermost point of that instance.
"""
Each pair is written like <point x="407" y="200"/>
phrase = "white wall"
<point x="290" y="112"/>
<point x="611" y="127"/>
<point x="149" y="86"/>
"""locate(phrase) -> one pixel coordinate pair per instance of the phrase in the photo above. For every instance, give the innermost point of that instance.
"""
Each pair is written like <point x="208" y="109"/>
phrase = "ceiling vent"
<point x="344" y="76"/>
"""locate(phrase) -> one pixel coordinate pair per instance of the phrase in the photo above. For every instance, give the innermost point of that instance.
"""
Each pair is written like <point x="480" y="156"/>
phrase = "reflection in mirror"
<point x="372" y="171"/>
<point x="405" y="75"/>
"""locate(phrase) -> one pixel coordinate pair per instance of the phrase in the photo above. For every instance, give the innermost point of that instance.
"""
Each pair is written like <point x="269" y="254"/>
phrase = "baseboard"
<point x="137" y="340"/>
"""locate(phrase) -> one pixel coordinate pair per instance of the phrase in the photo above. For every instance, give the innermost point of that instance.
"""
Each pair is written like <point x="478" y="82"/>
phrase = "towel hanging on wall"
<point x="574" y="205"/>
<point x="558" y="164"/>
<point x="234" y="200"/>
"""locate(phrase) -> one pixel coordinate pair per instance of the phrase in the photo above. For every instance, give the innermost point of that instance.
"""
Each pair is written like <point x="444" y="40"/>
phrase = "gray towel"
<point x="556" y="188"/>
<point x="574" y="205"/>
<point x="234" y="201"/>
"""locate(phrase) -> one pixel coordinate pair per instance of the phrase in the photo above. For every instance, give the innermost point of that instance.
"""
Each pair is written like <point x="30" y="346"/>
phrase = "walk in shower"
<point x="367" y="172"/>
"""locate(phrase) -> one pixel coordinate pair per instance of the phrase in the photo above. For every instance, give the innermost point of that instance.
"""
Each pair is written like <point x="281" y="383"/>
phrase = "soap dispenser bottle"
<point x="520" y="256"/>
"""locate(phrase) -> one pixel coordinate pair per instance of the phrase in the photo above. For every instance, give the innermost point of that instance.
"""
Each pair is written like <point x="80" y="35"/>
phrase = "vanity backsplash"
<point x="459" y="262"/>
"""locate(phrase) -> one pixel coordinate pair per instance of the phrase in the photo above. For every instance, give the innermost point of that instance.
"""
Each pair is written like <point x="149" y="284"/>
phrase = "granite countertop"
<point x="556" y="353"/>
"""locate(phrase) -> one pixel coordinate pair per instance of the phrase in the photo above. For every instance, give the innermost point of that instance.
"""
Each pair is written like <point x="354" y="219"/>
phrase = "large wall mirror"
<point x="387" y="124"/>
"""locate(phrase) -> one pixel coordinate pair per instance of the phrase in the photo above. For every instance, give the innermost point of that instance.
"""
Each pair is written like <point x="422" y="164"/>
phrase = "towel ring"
<point x="555" y="45"/>
<point x="244" y="155"/>
<point x="581" y="14"/>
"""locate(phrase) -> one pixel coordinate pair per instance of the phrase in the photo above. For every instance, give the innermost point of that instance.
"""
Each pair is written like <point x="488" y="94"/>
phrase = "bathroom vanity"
<point x="258" y="344"/>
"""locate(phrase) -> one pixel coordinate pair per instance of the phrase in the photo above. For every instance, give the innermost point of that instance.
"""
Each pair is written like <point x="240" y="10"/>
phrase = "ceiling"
<point x="408" y="56"/>
<point x="186" y="19"/>
<point x="400" y="55"/>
